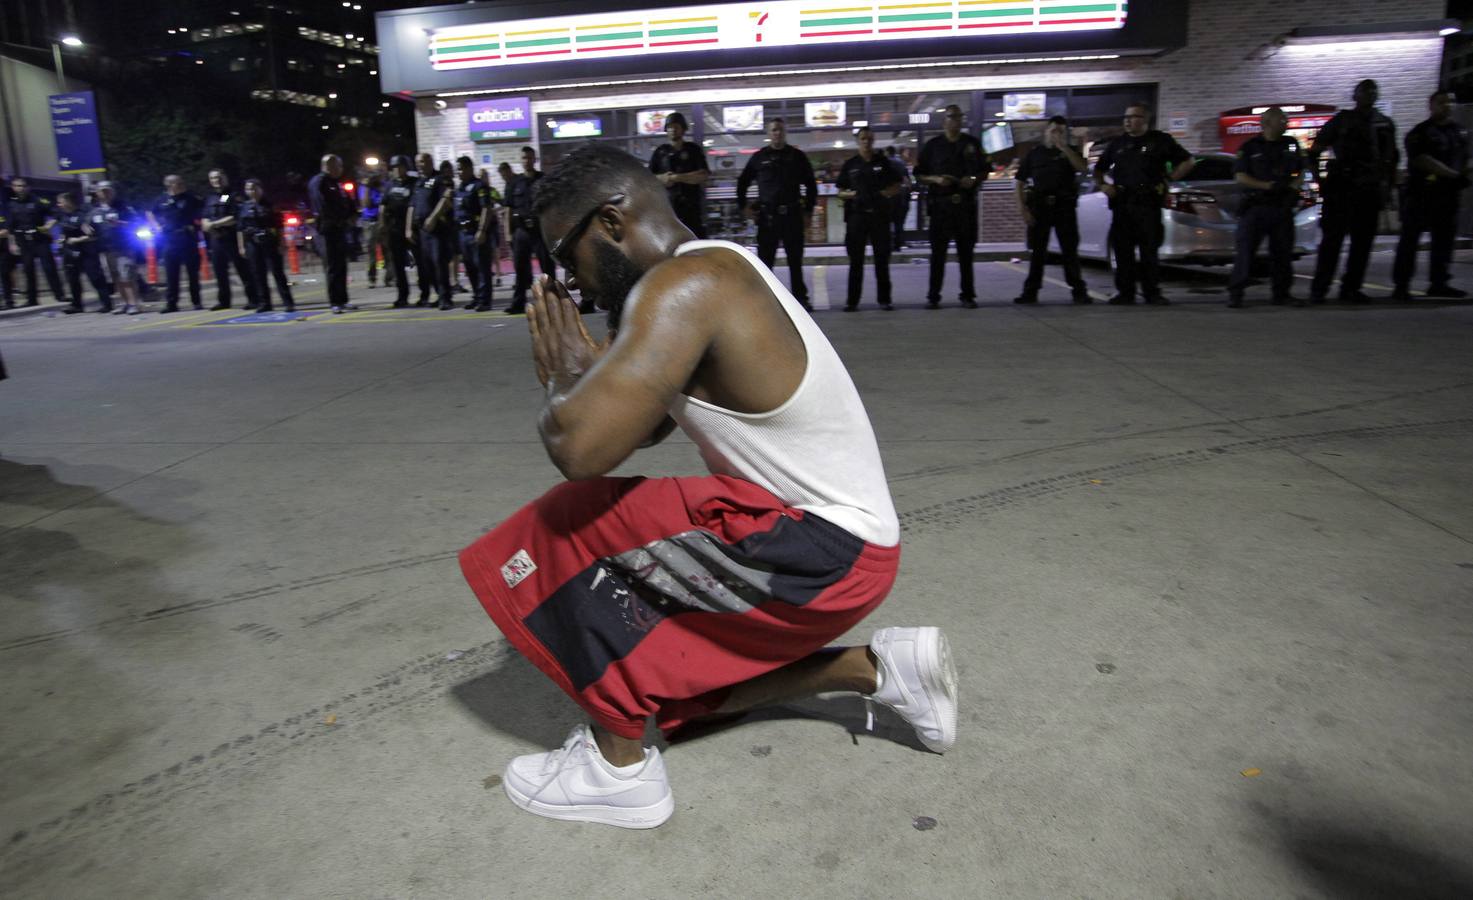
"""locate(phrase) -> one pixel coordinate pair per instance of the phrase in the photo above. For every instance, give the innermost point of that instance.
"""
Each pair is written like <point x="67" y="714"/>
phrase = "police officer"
<point x="1270" y="167"/>
<point x="31" y="219"/>
<point x="334" y="211"/>
<point x="431" y="232"/>
<point x="786" y="195"/>
<point x="1048" y="196"/>
<point x="112" y="222"/>
<point x="79" y="254"/>
<point x="173" y="217"/>
<point x="473" y="213"/>
<point x="1139" y="163"/>
<point x="867" y="184"/>
<point x="259" y="238"/>
<point x="953" y="166"/>
<point x="1437" y="175"/>
<point x="900" y="203"/>
<point x="371" y="198"/>
<point x="219" y="225"/>
<point x="393" y="221"/>
<point x="1357" y="187"/>
<point x="526" y="237"/>
<point x="7" y="259"/>
<point x="681" y="167"/>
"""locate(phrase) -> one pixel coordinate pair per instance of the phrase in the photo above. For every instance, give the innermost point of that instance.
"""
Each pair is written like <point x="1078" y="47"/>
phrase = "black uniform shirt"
<point x="867" y="178"/>
<point x="426" y="196"/>
<point x="1446" y="142"/>
<point x="1279" y="162"/>
<point x="688" y="158"/>
<point x="220" y="206"/>
<point x="177" y="213"/>
<point x="71" y="224"/>
<point x="962" y="158"/>
<point x="256" y="218"/>
<point x="112" y="224"/>
<point x="332" y="207"/>
<point x="519" y="195"/>
<point x="1050" y="171"/>
<point x="784" y="179"/>
<point x="397" y="196"/>
<point x="30" y="214"/>
<point x="1364" y="146"/>
<point x="1135" y="163"/>
<point x="470" y="199"/>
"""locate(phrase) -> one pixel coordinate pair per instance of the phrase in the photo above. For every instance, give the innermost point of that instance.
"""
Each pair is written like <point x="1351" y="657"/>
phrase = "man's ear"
<point x="616" y="222"/>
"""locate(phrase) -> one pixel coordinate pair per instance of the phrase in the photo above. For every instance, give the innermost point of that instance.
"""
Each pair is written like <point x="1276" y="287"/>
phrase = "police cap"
<point x="400" y="160"/>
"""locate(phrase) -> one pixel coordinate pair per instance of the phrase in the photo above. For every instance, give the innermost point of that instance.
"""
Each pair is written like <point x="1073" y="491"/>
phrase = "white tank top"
<point x="816" y="452"/>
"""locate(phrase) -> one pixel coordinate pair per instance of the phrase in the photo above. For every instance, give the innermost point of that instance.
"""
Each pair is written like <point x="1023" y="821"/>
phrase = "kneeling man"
<point x="679" y="599"/>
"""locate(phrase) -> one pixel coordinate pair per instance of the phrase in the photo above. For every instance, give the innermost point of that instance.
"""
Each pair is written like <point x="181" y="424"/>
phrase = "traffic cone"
<point x="204" y="264"/>
<point x="151" y="257"/>
<point x="292" y="260"/>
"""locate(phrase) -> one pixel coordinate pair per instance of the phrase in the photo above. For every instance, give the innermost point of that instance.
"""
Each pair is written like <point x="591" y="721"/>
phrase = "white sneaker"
<point x="917" y="679"/>
<point x="576" y="784"/>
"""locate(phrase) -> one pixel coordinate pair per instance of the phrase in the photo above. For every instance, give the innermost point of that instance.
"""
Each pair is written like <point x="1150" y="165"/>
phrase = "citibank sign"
<point x="506" y="119"/>
<point x="755" y="25"/>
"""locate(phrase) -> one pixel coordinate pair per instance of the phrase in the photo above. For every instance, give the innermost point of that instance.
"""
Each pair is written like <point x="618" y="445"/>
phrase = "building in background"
<point x="577" y="72"/>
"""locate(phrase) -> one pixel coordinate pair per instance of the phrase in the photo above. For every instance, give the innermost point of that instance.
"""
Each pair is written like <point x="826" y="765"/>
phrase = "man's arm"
<point x="699" y="176"/>
<point x="744" y="180"/>
<point x="602" y="405"/>
<point x="483" y="228"/>
<point x="810" y="184"/>
<point x="1076" y="159"/>
<point x="1326" y="136"/>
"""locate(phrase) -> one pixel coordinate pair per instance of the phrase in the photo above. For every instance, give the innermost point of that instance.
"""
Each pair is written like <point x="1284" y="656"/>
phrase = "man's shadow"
<point x="517" y="700"/>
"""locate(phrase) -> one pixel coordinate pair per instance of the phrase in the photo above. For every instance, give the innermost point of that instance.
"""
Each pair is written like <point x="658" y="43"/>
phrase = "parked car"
<point x="1200" y="214"/>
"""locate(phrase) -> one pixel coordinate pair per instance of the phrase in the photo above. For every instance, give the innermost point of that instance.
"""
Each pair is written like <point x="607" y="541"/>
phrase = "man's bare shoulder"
<point x="698" y="283"/>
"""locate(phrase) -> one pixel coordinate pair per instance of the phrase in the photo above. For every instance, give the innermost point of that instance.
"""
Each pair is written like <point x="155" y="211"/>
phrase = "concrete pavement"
<point x="1207" y="574"/>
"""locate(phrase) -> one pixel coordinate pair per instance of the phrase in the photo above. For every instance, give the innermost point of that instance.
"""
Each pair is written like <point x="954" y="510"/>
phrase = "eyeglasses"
<point x="573" y="234"/>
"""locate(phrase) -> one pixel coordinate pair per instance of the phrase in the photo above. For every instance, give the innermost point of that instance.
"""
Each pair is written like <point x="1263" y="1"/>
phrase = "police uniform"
<point x="259" y="228"/>
<point x="1431" y="204"/>
<point x="177" y="215"/>
<point x="867" y="218"/>
<point x="1267" y="213"/>
<point x="7" y="261"/>
<point x="1052" y="198"/>
<point x="433" y="248"/>
<point x="334" y="212"/>
<point x="786" y="195"/>
<point x="526" y="238"/>
<point x="393" y="213"/>
<point x="952" y="208"/>
<point x="1139" y="167"/>
<point x="686" y="199"/>
<point x="81" y="257"/>
<point x="1356" y="187"/>
<point x="225" y="249"/>
<point x="30" y="223"/>
<point x="368" y="226"/>
<point x="112" y="228"/>
<point x="472" y="198"/>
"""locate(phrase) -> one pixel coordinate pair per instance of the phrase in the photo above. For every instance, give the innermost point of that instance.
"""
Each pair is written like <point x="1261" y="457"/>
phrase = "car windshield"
<point x="1211" y="168"/>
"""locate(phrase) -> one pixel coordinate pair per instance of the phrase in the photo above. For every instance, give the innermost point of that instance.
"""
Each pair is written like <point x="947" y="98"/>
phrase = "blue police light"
<point x="145" y="234"/>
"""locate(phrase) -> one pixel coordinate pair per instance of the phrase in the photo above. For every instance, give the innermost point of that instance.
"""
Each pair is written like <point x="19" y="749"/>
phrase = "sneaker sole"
<point x="940" y="680"/>
<point x="621" y="817"/>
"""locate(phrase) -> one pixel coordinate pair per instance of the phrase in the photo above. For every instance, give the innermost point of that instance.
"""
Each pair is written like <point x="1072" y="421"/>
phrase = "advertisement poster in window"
<point x="742" y="118"/>
<point x="825" y="113"/>
<point x="652" y="121"/>
<point x="1025" y="106"/>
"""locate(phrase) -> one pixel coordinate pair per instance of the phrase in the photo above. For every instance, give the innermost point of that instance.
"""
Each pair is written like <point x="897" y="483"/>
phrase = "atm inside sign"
<point x="506" y="119"/>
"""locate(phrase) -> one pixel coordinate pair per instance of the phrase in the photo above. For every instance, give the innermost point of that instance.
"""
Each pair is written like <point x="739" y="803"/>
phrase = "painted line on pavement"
<point x="820" y="287"/>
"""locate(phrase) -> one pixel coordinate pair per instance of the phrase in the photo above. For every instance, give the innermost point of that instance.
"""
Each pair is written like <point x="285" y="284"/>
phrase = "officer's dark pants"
<point x="7" y="275"/>
<point x="1418" y="216"/>
<point x="181" y="251"/>
<point x="952" y="222"/>
<point x="263" y="260"/>
<point x="900" y="206"/>
<point x="868" y="229"/>
<point x="335" y="261"/>
<point x="1136" y="227"/>
<point x="433" y="258"/>
<point x="1061" y="219"/>
<point x="526" y="243"/>
<point x="785" y="228"/>
<point x="32" y="251"/>
<point x="398" y="253"/>
<point x="477" y="260"/>
<point x="1345" y="211"/>
<point x="1276" y="222"/>
<point x="225" y="255"/>
<point x="690" y="216"/>
<point x="75" y="263"/>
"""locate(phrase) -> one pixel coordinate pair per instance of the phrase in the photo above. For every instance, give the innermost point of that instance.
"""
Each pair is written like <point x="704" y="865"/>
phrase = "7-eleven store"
<point x="492" y="77"/>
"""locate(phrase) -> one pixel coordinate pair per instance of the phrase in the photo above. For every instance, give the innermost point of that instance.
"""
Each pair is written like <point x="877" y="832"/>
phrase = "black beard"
<point x="617" y="276"/>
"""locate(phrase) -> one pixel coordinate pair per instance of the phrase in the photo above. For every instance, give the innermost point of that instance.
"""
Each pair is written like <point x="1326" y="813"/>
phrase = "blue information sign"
<point x="78" y="139"/>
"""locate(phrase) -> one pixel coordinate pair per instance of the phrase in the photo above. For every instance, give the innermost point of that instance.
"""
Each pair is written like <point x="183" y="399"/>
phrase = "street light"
<point x="71" y="40"/>
<point x="370" y="161"/>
